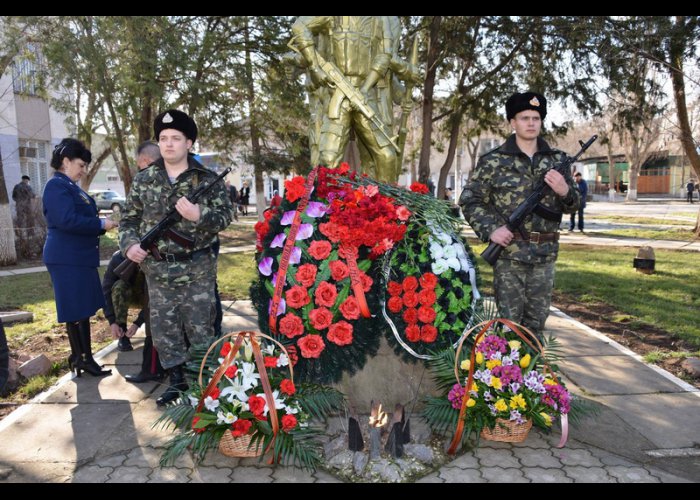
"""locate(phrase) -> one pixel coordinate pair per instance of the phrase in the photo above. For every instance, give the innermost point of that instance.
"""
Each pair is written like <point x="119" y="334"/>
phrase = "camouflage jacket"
<point x="150" y="198"/>
<point x="502" y="180"/>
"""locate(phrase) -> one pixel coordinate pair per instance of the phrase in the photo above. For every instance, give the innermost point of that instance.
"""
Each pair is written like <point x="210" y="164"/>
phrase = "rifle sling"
<point x="547" y="213"/>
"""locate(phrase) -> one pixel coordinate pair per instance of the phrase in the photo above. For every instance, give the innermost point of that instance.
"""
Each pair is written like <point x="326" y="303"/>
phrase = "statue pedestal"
<point x="388" y="379"/>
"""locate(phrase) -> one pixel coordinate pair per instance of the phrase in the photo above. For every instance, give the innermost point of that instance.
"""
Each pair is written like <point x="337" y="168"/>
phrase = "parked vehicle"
<point x="108" y="200"/>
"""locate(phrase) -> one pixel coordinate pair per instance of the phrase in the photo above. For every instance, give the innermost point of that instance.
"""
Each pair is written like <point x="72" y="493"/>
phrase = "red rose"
<point x="330" y="231"/>
<point x="410" y="283"/>
<point x="291" y="326"/>
<point x="194" y="423"/>
<point x="325" y="294"/>
<point x="340" y="333"/>
<point x="394" y="288"/>
<point x="410" y="316"/>
<point x="241" y="427"/>
<point x="231" y="371"/>
<point x="410" y="299"/>
<point x="289" y="422"/>
<point x="320" y="250"/>
<point x="339" y="270"/>
<point x="346" y="251"/>
<point x="427" y="297"/>
<point x="320" y="318"/>
<point x="395" y="304"/>
<point x="270" y="362"/>
<point x="426" y="314"/>
<point x="428" y="333"/>
<point x="287" y="387"/>
<point x="306" y="274"/>
<point x="350" y="308"/>
<point x="225" y="349"/>
<point x="366" y="281"/>
<point x="294" y="189"/>
<point x="297" y="297"/>
<point x="428" y="280"/>
<point x="256" y="405"/>
<point x="311" y="346"/>
<point x="413" y="333"/>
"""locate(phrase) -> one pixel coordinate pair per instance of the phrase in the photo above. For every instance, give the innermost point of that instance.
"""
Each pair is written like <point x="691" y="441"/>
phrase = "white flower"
<point x="454" y="263"/>
<point x="439" y="266"/>
<point x="234" y="392"/>
<point x="461" y="254"/>
<point x="291" y="410"/>
<point x="449" y="251"/>
<point x="464" y="263"/>
<point x="193" y="401"/>
<point x="436" y="251"/>
<point x="445" y="238"/>
<point x="225" y="418"/>
<point x="282" y="360"/>
<point x="249" y="377"/>
<point x="277" y="401"/>
<point x="270" y="350"/>
<point x="210" y="403"/>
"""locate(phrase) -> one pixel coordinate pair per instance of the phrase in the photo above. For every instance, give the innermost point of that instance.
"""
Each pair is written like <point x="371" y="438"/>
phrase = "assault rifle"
<point x="516" y="219"/>
<point x="164" y="228"/>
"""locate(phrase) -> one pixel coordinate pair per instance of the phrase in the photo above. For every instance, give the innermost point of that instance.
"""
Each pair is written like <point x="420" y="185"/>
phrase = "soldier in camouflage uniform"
<point x="502" y="180"/>
<point x="180" y="280"/>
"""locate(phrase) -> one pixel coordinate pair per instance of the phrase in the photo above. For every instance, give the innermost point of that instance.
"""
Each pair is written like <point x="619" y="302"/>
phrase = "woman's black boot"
<point x="86" y="362"/>
<point x="75" y="351"/>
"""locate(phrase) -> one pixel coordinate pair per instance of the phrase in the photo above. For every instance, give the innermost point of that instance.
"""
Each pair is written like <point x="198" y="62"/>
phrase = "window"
<point x="112" y="178"/>
<point x="33" y="162"/>
<point x="25" y="72"/>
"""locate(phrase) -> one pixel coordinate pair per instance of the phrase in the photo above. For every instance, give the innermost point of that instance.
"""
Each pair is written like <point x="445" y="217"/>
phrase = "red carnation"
<point x="394" y="288"/>
<point x="289" y="422"/>
<point x="225" y="349"/>
<point x="339" y="270"/>
<point x="395" y="304"/>
<point x="231" y="371"/>
<point x="325" y="294"/>
<point x="350" y="309"/>
<point x="320" y="249"/>
<point x="320" y="318"/>
<point x="417" y="187"/>
<point x="403" y="213"/>
<point x="294" y="189"/>
<point x="413" y="333"/>
<point x="256" y="405"/>
<point x="214" y="393"/>
<point x="297" y="297"/>
<point x="426" y="314"/>
<point x="291" y="326"/>
<point x="428" y="333"/>
<point x="410" y="299"/>
<point x="340" y="333"/>
<point x="287" y="387"/>
<point x="428" y="280"/>
<point x="293" y="354"/>
<point x="241" y="427"/>
<point x="410" y="316"/>
<point x="311" y="346"/>
<point x="270" y="362"/>
<point x="306" y="274"/>
<point x="194" y="423"/>
<point x="427" y="297"/>
<point x="410" y="283"/>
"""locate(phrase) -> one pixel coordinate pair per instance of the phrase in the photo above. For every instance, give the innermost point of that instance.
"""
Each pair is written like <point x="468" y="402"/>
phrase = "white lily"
<point x="210" y="403"/>
<point x="235" y="391"/>
<point x="193" y="401"/>
<point x="277" y="401"/>
<point x="225" y="418"/>
<point x="249" y="377"/>
<point x="282" y="360"/>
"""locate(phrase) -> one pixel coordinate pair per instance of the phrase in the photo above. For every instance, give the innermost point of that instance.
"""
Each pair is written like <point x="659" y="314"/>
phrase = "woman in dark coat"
<point x="71" y="251"/>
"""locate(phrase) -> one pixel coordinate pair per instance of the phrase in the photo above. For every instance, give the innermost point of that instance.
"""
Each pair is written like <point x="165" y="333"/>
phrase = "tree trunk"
<point x="8" y="255"/>
<point x="254" y="133"/>
<point x="428" y="89"/>
<point x="454" y="139"/>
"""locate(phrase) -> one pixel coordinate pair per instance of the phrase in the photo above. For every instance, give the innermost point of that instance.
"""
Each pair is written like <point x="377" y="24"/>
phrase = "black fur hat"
<point x="177" y="120"/>
<point x="527" y="100"/>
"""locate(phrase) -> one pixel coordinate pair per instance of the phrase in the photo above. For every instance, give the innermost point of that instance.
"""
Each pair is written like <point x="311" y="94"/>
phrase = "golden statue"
<point x="352" y="61"/>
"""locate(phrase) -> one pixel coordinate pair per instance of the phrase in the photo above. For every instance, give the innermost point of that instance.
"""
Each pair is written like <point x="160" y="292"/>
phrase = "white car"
<point x="108" y="200"/>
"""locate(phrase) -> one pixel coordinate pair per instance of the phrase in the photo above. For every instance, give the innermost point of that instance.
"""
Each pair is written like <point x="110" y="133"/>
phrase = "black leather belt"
<point x="535" y="237"/>
<point x="180" y="257"/>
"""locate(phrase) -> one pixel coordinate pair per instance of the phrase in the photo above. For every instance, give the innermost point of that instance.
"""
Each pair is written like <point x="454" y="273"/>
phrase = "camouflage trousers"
<point x="524" y="292"/>
<point x="179" y="311"/>
<point x="125" y="296"/>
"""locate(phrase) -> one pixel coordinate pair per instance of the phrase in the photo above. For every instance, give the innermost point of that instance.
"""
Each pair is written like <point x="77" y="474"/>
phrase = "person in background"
<point x="690" y="187"/>
<point x="71" y="251"/>
<point x="583" y="191"/>
<point x="244" y="198"/>
<point x="4" y="360"/>
<point x="276" y="200"/>
<point x="23" y="191"/>
<point x="233" y="194"/>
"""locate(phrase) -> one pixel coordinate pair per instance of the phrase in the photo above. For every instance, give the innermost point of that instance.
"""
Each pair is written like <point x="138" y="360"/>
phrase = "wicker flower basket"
<point x="507" y="431"/>
<point x="238" y="447"/>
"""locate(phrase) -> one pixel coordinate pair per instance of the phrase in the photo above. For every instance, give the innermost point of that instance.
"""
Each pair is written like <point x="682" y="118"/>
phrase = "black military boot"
<point x="85" y="361"/>
<point x="151" y="368"/>
<point x="73" y="333"/>
<point x="177" y="385"/>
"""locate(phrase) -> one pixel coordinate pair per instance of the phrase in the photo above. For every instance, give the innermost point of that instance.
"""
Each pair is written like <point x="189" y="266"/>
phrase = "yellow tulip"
<point x="525" y="361"/>
<point x="491" y="363"/>
<point x="464" y="365"/>
<point x="479" y="358"/>
<point x="547" y="419"/>
<point x="514" y="345"/>
<point x="496" y="383"/>
<point x="471" y="403"/>
<point x="501" y="405"/>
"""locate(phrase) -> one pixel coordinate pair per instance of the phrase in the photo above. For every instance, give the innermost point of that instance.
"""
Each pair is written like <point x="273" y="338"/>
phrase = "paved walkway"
<point x="99" y="430"/>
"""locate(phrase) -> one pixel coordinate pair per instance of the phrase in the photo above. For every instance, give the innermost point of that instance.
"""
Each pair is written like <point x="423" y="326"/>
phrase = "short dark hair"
<point x="577" y="174"/>
<point x="150" y="149"/>
<point x="71" y="149"/>
<point x="26" y="177"/>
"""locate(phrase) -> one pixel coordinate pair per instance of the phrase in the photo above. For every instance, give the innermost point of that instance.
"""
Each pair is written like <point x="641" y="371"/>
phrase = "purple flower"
<point x="488" y="396"/>
<point x="265" y="266"/>
<point x="316" y="209"/>
<point x="288" y="218"/>
<point x="305" y="231"/>
<point x="456" y="396"/>
<point x="281" y="308"/>
<point x="515" y="415"/>
<point x="514" y="387"/>
<point x="510" y="374"/>
<point x="295" y="256"/>
<point x="278" y="241"/>
<point x="492" y="345"/>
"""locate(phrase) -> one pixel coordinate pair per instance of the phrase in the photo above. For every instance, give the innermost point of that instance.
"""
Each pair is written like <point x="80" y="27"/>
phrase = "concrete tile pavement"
<point x="100" y="430"/>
